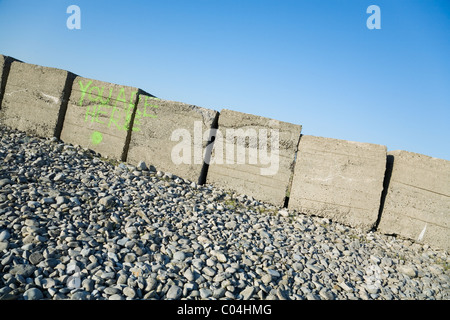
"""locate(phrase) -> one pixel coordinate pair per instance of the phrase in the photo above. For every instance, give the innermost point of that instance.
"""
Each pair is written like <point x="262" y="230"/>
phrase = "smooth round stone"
<point x="4" y="235"/>
<point x="174" y="293"/>
<point x="179" y="256"/>
<point x="33" y="294"/>
<point x="129" y="292"/>
<point x="205" y="293"/>
<point x="111" y="290"/>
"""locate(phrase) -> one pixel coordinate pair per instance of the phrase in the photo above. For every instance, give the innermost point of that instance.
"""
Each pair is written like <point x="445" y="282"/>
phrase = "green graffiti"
<point x="83" y="90"/>
<point x="143" y="114"/>
<point x="114" y="120"/>
<point x="117" y="114"/>
<point x="121" y="96"/>
<point x="100" y="111"/>
<point x="99" y="96"/>
<point x="96" y="137"/>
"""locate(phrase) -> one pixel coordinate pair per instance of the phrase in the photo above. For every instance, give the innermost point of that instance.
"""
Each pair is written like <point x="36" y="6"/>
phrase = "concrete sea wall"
<point x="358" y="184"/>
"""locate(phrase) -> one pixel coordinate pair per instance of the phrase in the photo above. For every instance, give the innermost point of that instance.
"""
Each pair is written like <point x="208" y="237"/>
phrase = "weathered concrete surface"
<point x="417" y="204"/>
<point x="35" y="99"/>
<point x="99" y="116"/>
<point x="340" y="180"/>
<point x="169" y="136"/>
<point x="265" y="169"/>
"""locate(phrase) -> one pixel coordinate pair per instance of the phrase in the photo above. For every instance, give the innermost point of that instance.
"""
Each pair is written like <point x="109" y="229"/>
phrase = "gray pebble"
<point x="80" y="295"/>
<point x="205" y="293"/>
<point x="209" y="271"/>
<point x="33" y="294"/>
<point x="111" y="290"/>
<point x="247" y="293"/>
<point x="5" y="182"/>
<point x="88" y="285"/>
<point x="24" y="270"/>
<point x="142" y="166"/>
<point x="108" y="201"/>
<point x="130" y="257"/>
<point x="129" y="292"/>
<point x="189" y="275"/>
<point x="408" y="270"/>
<point x="273" y="273"/>
<point x="174" y="293"/>
<point x="4" y="235"/>
<point x="4" y="245"/>
<point x="326" y="294"/>
<point x="36" y="257"/>
<point x="231" y="225"/>
<point x="179" y="256"/>
<point x="267" y="278"/>
<point x="60" y="200"/>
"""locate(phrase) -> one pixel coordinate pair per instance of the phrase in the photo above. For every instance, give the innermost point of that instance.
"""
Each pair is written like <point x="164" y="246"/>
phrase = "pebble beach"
<point x="75" y="225"/>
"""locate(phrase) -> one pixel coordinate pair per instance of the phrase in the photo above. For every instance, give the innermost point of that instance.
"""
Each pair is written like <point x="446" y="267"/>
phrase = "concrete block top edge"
<point x="410" y="154"/>
<point x="106" y="83"/>
<point x="16" y="62"/>
<point x="143" y="93"/>
<point x="256" y="117"/>
<point x="356" y="143"/>
<point x="8" y="58"/>
<point x="205" y="112"/>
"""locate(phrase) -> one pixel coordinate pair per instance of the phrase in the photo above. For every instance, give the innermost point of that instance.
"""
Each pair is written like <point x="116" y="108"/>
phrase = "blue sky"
<point x="313" y="63"/>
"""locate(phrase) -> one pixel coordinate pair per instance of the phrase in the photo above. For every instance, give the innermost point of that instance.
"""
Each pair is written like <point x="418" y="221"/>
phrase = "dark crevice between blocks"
<point x="291" y="178"/>
<point x="65" y="102"/>
<point x="208" y="150"/>
<point x="140" y="92"/>
<point x="386" y="182"/>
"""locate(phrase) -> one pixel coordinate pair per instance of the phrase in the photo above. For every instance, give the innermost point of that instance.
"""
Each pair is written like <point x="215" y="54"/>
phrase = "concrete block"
<point x="35" y="99"/>
<point x="100" y="116"/>
<point x="340" y="180"/>
<point x="171" y="136"/>
<point x="417" y="203"/>
<point x="254" y="156"/>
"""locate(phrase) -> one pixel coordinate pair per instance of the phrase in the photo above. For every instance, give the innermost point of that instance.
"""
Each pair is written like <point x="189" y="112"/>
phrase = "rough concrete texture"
<point x="169" y="136"/>
<point x="265" y="171"/>
<point x="340" y="180"/>
<point x="35" y="98"/>
<point x="417" y="204"/>
<point x="99" y="116"/>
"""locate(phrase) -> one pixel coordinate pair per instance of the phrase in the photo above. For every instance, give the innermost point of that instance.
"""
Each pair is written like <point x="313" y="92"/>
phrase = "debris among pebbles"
<point x="76" y="226"/>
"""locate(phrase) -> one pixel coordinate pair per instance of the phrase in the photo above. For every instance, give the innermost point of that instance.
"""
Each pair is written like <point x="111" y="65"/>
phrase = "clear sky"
<point x="313" y="63"/>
